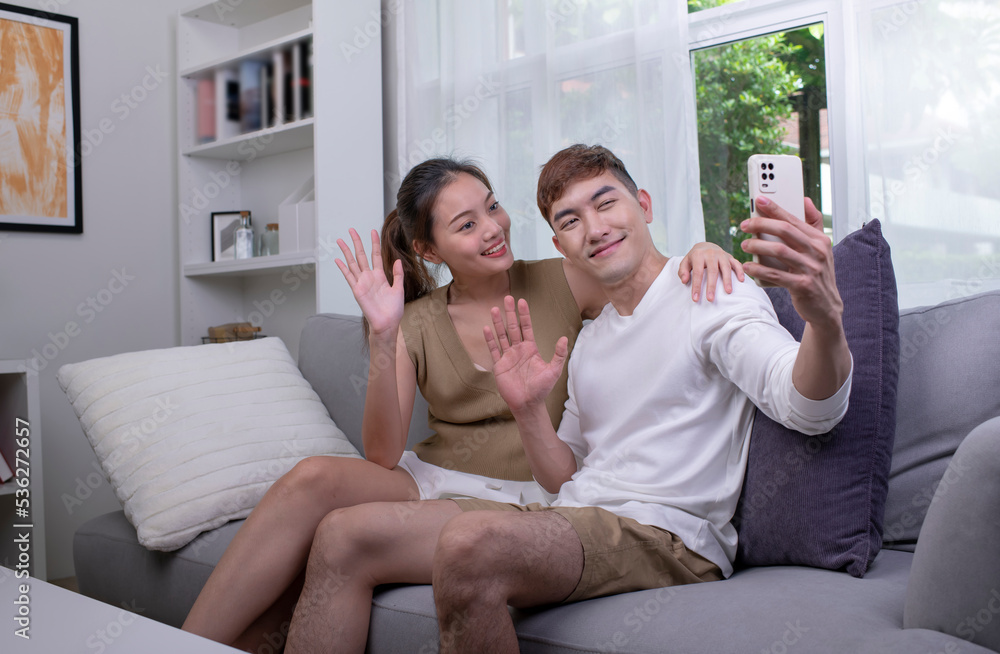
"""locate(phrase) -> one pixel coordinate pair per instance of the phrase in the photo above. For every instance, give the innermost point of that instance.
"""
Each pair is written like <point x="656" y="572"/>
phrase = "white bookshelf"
<point x="251" y="171"/>
<point x="19" y="400"/>
<point x="337" y="143"/>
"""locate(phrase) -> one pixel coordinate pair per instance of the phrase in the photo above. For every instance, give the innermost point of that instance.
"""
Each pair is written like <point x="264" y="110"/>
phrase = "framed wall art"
<point x="224" y="224"/>
<point x="40" y="173"/>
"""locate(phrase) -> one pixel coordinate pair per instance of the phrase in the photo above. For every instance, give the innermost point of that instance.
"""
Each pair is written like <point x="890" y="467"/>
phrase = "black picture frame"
<point x="224" y="224"/>
<point x="47" y="192"/>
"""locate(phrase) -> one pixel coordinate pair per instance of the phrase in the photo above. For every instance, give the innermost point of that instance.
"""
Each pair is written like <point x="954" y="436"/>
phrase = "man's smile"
<point x="607" y="248"/>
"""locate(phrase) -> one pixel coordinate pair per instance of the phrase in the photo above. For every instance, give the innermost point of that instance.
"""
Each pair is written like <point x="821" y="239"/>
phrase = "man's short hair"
<point x="575" y="163"/>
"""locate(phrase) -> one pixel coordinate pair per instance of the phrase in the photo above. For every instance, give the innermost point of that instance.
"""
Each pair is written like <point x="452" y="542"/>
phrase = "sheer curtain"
<point x="930" y="83"/>
<point x="510" y="82"/>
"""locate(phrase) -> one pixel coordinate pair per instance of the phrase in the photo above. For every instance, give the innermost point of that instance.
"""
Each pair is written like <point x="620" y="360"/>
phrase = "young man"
<point x="650" y="455"/>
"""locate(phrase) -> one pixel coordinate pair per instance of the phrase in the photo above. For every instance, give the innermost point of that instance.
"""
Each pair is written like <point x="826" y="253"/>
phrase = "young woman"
<point x="426" y="337"/>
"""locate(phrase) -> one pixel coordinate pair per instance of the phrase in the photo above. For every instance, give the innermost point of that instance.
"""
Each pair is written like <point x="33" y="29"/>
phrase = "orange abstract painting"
<point x="39" y="121"/>
<point x="33" y="171"/>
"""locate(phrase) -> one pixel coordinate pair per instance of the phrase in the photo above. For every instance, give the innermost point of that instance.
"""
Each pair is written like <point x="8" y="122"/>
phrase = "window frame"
<point x="750" y="19"/>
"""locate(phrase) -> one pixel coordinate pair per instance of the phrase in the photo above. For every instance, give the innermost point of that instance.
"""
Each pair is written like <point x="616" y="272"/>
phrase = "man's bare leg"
<point x="271" y="548"/>
<point x="356" y="549"/>
<point x="486" y="560"/>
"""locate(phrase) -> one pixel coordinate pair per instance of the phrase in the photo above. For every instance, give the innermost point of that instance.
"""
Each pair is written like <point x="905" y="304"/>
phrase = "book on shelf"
<point x="255" y="94"/>
<point x="227" y="103"/>
<point x="278" y="87"/>
<point x="267" y="118"/>
<point x="294" y="78"/>
<point x="305" y="78"/>
<point x="250" y="95"/>
<point x="205" y="103"/>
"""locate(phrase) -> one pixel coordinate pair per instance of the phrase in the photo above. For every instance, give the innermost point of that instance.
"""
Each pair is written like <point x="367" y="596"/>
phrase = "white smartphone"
<point x="778" y="177"/>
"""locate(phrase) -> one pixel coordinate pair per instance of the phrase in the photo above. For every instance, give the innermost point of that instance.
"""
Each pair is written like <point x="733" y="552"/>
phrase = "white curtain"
<point x="930" y="74"/>
<point x="510" y="82"/>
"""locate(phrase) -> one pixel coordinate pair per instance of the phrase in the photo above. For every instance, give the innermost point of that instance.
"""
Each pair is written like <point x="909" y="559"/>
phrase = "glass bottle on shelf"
<point x="269" y="240"/>
<point x="244" y="237"/>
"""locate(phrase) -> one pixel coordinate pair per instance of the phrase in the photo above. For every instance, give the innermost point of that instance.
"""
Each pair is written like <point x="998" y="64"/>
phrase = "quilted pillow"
<point x="820" y="500"/>
<point x="192" y="437"/>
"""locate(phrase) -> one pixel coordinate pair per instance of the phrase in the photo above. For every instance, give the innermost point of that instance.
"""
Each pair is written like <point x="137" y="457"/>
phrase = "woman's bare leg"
<point x="271" y="548"/>
<point x="269" y="631"/>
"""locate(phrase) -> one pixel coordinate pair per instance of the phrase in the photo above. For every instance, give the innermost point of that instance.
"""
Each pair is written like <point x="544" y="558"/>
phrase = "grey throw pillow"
<point x="820" y="500"/>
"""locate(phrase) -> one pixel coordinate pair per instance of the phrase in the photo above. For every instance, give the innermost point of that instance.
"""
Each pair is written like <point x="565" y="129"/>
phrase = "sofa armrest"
<point x="954" y="584"/>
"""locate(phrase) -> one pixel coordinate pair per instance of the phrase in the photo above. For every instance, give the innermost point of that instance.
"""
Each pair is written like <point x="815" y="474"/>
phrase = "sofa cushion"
<point x="942" y="348"/>
<point x="953" y="583"/>
<point x="819" y="501"/>
<point x="769" y="609"/>
<point x="339" y="374"/>
<point x="111" y="566"/>
<point x="192" y="437"/>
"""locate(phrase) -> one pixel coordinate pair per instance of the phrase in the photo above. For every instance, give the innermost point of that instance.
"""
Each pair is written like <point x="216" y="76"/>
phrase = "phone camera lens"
<point x="763" y="175"/>
<point x="763" y="166"/>
<point x="770" y="176"/>
<point x="770" y="166"/>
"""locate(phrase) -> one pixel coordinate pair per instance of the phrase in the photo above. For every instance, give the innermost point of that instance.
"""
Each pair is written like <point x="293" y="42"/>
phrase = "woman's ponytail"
<point x="417" y="279"/>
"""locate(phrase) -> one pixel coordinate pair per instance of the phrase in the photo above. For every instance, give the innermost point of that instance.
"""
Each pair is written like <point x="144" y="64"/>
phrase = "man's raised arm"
<point x="823" y="363"/>
<point x="524" y="380"/>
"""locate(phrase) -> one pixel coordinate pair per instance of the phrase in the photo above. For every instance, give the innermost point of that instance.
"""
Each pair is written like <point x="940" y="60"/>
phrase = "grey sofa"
<point x="927" y="595"/>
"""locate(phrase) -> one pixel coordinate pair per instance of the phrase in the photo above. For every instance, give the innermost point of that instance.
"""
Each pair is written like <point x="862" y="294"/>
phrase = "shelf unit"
<point x="19" y="399"/>
<point x="251" y="171"/>
<point x="339" y="145"/>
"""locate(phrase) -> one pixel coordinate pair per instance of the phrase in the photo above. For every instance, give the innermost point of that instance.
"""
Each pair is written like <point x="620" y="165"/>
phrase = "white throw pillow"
<point x="192" y="437"/>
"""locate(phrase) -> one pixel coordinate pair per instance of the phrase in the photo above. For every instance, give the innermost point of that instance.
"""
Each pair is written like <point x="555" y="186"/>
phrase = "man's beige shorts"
<point x="619" y="554"/>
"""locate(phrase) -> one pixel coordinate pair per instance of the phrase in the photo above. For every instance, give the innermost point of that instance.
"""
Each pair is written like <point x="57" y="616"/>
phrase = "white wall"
<point x="129" y="227"/>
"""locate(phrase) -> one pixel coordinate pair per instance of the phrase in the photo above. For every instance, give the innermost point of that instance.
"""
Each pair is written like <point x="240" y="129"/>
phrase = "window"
<point x="554" y="73"/>
<point x="761" y="95"/>
<point x="892" y="104"/>
<point x="931" y="102"/>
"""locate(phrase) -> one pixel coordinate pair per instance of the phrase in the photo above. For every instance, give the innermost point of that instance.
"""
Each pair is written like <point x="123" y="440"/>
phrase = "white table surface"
<point x="64" y="622"/>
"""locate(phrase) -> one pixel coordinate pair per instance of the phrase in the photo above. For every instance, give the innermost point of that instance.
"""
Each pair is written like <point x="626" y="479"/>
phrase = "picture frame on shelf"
<point x="224" y="224"/>
<point x="43" y="191"/>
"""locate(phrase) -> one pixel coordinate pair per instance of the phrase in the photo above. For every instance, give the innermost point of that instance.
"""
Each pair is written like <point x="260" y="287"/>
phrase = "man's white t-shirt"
<point x="661" y="404"/>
